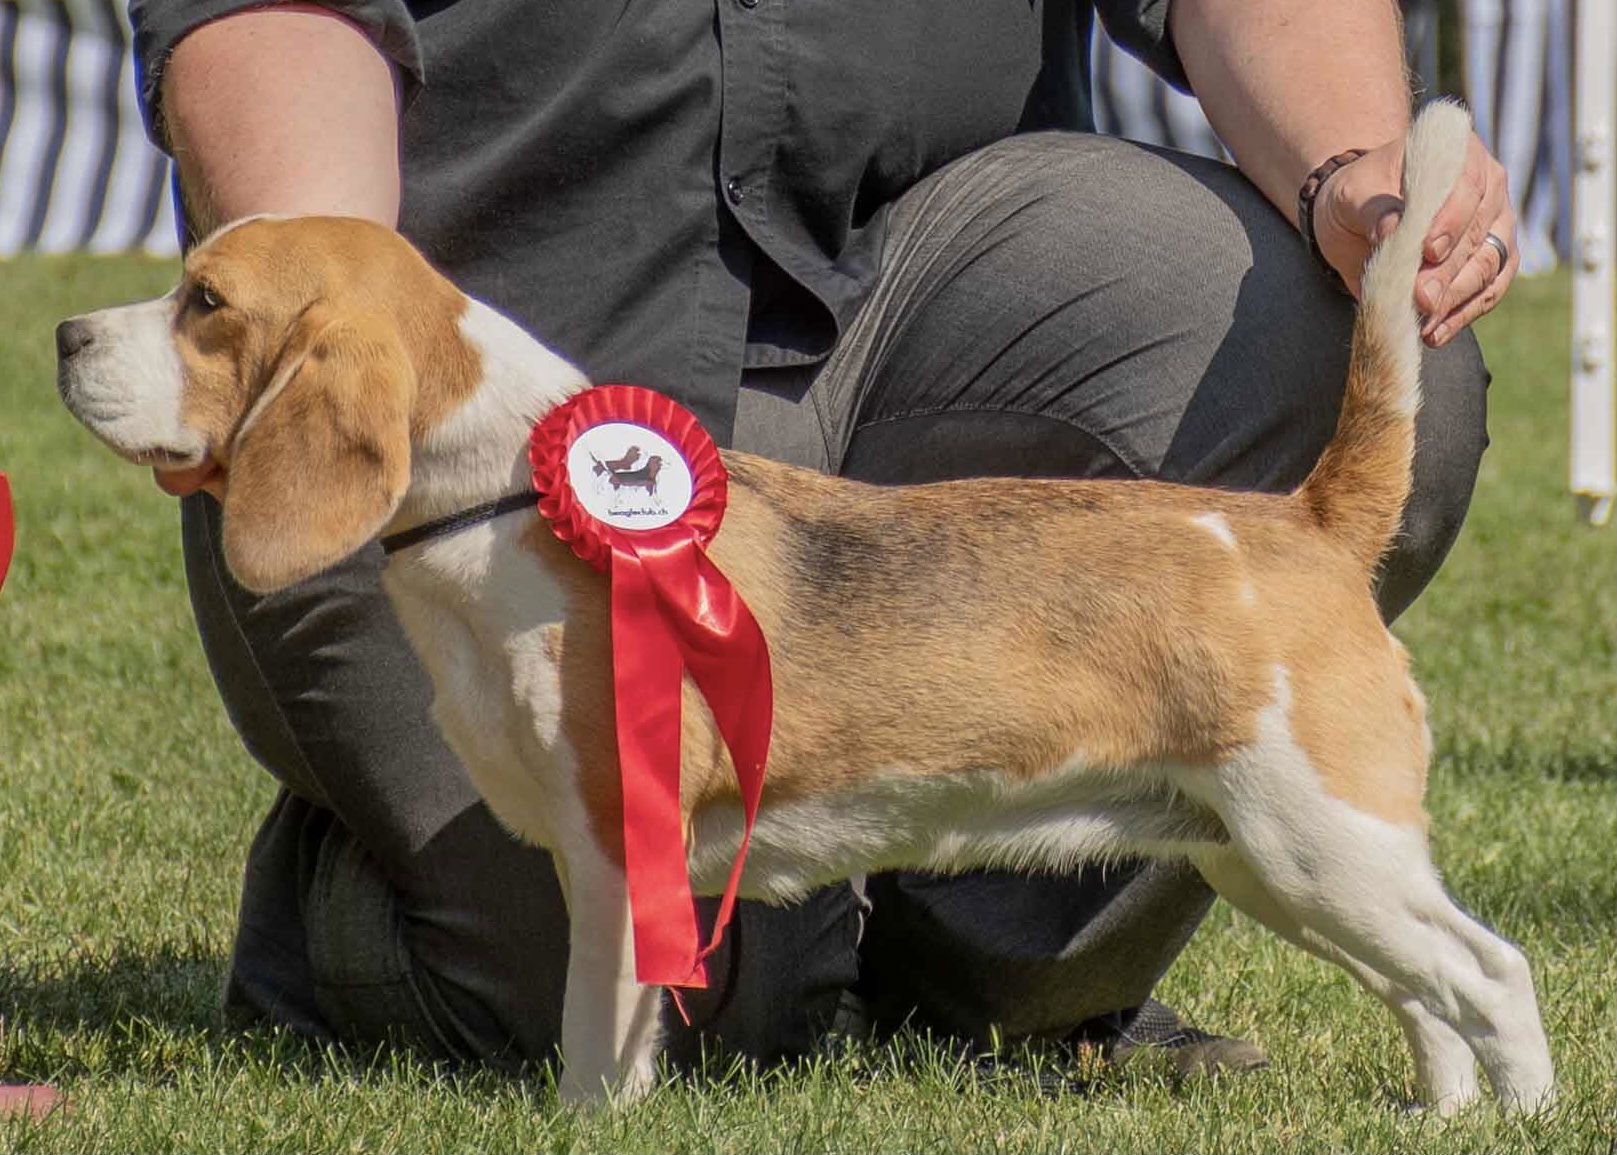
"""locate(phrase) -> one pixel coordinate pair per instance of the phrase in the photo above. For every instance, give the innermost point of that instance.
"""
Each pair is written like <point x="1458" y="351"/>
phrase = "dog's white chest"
<point x="480" y="623"/>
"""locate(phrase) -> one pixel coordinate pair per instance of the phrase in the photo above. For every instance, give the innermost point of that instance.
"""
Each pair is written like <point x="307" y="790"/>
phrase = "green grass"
<point x="126" y="807"/>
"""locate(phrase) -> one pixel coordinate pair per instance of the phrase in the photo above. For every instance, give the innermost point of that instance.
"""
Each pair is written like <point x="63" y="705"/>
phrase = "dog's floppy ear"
<point x="323" y="458"/>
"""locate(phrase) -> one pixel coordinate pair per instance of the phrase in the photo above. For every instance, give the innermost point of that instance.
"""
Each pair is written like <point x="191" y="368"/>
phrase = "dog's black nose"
<point x="71" y="336"/>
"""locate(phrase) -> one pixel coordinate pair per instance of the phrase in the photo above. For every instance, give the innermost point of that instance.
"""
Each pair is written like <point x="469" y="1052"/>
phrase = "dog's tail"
<point x="1358" y="489"/>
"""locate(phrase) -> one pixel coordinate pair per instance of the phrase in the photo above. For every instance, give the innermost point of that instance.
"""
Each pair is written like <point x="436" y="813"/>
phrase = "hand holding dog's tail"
<point x="1358" y="489"/>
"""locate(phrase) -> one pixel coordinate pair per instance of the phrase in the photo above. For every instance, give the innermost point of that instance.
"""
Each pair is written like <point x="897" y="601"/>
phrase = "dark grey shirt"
<point x="669" y="192"/>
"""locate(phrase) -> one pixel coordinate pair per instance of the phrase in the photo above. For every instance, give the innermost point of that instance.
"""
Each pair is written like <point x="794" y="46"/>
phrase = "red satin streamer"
<point x="673" y="612"/>
<point x="7" y="528"/>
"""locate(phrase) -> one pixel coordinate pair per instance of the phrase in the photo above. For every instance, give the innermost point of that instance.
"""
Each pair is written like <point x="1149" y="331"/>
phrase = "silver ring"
<point x="1499" y="247"/>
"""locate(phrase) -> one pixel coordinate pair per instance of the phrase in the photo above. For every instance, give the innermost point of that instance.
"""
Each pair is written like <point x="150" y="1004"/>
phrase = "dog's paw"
<point x="596" y="1089"/>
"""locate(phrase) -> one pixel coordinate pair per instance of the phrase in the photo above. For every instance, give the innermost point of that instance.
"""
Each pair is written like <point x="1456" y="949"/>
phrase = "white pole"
<point x="1594" y="263"/>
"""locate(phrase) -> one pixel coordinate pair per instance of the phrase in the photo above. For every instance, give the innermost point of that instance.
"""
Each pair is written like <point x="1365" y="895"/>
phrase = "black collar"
<point x="456" y="522"/>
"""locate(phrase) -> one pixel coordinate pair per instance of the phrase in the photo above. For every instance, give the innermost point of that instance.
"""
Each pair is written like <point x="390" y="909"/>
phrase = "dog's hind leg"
<point x="610" y="1023"/>
<point x="1368" y="887"/>
<point x="1445" y="1068"/>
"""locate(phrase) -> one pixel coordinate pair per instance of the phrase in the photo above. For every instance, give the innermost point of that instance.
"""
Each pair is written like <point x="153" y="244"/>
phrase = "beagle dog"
<point x="1079" y="669"/>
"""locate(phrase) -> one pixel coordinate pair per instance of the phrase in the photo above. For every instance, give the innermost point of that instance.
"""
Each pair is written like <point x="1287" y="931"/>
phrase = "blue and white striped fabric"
<point x="76" y="171"/>
<point x="1130" y="101"/>
<point x="1518" y="67"/>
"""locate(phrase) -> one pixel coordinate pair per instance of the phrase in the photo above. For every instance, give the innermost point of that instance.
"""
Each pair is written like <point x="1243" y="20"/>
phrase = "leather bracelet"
<point x="1305" y="208"/>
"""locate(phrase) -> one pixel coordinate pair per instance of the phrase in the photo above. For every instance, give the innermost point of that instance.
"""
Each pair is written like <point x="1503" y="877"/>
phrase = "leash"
<point x="456" y="522"/>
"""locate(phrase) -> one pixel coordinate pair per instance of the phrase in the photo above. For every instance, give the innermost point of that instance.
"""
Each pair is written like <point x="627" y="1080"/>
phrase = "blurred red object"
<point x="33" y="1099"/>
<point x="8" y="534"/>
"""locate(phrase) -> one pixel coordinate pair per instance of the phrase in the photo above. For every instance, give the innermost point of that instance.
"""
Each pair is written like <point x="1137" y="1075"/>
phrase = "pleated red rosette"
<point x="8" y="529"/>
<point x="632" y="482"/>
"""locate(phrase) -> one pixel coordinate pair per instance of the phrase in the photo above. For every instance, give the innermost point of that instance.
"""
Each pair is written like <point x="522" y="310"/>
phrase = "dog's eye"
<point x="207" y="299"/>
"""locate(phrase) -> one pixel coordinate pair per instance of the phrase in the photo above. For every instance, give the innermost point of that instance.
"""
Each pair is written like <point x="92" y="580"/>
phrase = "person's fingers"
<point x="1461" y="226"/>
<point x="1478" y="287"/>
<point x="1385" y="224"/>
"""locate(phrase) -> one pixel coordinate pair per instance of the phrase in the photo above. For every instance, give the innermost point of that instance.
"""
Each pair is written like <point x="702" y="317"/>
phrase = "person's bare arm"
<point x="1288" y="84"/>
<point x="288" y="109"/>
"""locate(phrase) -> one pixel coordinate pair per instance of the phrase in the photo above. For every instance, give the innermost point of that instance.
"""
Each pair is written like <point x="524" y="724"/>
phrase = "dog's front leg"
<point x="610" y="1023"/>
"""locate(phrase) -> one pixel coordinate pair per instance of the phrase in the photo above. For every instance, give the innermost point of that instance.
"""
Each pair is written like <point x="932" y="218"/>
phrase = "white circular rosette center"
<point x="628" y="476"/>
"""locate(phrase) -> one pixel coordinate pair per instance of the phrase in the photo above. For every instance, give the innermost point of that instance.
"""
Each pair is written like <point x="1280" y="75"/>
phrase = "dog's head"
<point x="287" y="374"/>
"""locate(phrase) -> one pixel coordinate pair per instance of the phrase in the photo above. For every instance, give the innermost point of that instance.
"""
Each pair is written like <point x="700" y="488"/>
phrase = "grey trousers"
<point x="1054" y="305"/>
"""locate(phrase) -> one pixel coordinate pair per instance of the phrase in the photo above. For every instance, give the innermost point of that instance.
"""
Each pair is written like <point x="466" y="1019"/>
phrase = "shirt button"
<point x="732" y="187"/>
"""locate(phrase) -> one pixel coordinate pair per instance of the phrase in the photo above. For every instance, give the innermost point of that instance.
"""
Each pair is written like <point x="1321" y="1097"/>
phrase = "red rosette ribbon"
<point x="634" y="485"/>
<point x="8" y="528"/>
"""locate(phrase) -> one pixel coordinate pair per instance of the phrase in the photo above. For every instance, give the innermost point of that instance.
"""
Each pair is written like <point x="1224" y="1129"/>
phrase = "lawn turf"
<point x="126" y="807"/>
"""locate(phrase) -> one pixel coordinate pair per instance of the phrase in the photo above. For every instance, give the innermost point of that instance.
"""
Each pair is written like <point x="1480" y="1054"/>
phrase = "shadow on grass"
<point x="1049" y="1069"/>
<point x="170" y="986"/>
<point x="1528" y="760"/>
<point x="156" y="1015"/>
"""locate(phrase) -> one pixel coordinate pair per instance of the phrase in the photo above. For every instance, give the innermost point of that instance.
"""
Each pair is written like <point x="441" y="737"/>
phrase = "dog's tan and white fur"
<point x="994" y="672"/>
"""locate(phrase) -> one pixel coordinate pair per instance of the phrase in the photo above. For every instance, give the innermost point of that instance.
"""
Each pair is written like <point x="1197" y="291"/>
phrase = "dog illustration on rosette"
<point x="623" y="481"/>
<point x="617" y="464"/>
<point x="1163" y="671"/>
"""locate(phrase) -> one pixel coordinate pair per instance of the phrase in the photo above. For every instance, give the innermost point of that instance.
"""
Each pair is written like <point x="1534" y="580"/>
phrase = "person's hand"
<point x="1463" y="276"/>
